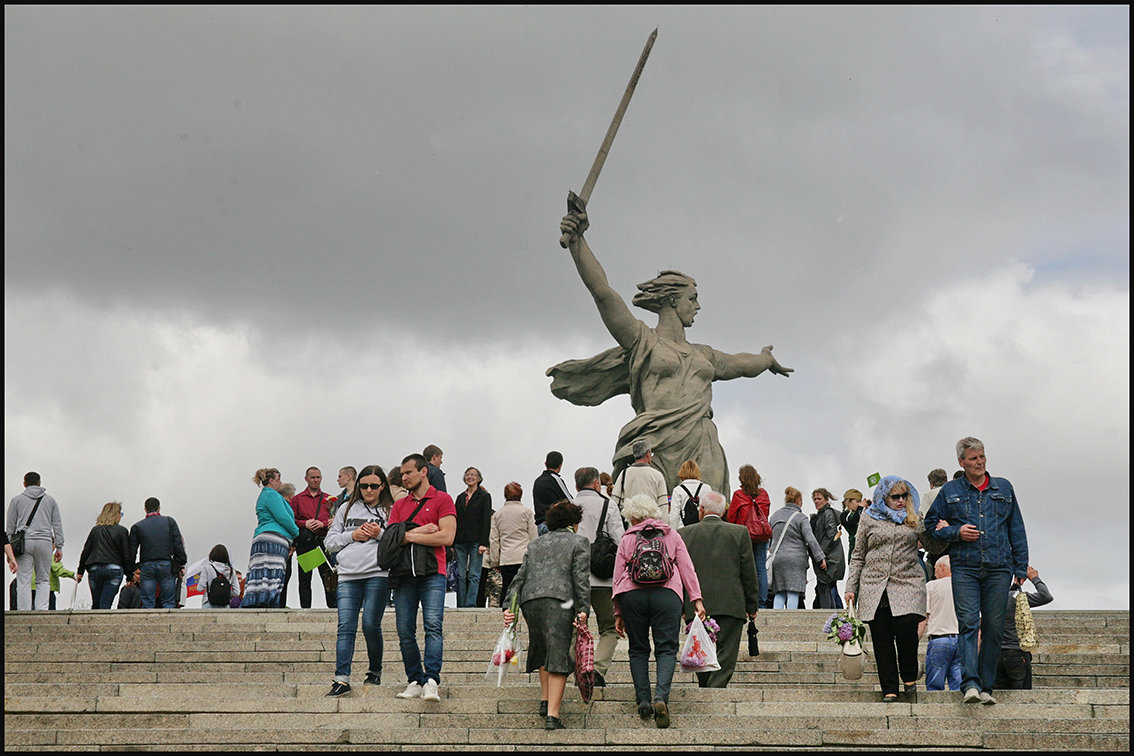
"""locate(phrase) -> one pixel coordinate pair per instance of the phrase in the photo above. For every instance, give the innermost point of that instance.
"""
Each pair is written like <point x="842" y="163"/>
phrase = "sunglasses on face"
<point x="371" y="486"/>
<point x="900" y="496"/>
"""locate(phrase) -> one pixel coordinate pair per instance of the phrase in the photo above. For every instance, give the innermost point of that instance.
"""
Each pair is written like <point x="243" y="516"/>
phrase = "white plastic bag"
<point x="852" y="659"/>
<point x="80" y="599"/>
<point x="699" y="654"/>
<point x="505" y="656"/>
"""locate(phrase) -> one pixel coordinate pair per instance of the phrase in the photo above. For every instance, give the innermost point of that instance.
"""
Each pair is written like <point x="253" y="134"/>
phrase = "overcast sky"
<point x="279" y="237"/>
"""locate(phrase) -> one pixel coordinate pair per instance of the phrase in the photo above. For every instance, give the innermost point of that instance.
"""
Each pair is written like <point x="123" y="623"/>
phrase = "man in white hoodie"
<point x="42" y="540"/>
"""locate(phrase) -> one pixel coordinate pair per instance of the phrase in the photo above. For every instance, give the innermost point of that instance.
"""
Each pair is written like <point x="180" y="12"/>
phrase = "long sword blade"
<point x="596" y="168"/>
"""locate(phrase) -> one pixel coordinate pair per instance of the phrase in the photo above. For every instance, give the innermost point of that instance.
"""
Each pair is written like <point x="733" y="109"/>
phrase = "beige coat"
<point x="885" y="560"/>
<point x="513" y="528"/>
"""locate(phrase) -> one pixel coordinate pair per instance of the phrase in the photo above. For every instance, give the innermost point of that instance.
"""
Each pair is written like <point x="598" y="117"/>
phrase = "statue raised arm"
<point x="669" y="380"/>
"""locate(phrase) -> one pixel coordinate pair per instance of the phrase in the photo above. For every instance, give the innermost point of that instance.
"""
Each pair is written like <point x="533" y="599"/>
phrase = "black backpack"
<point x="220" y="590"/>
<point x="692" y="504"/>
<point x="604" y="549"/>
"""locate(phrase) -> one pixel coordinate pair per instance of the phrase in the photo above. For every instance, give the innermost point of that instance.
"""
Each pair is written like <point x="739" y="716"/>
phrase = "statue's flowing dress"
<point x="671" y="391"/>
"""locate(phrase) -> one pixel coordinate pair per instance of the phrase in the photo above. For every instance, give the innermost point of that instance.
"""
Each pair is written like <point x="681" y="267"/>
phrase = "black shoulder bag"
<point x="604" y="549"/>
<point x="17" y="539"/>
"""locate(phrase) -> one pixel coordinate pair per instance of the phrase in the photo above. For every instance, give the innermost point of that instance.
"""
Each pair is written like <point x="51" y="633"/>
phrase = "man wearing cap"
<point x="640" y="478"/>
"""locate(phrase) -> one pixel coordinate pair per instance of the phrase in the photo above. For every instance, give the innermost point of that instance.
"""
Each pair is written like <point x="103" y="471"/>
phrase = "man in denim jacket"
<point x="988" y="549"/>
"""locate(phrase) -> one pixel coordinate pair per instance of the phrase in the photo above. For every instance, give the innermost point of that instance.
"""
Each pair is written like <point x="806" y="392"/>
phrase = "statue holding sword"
<point x="669" y="379"/>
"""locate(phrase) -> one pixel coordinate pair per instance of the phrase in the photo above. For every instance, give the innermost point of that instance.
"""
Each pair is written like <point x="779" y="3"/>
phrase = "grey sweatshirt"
<point x="46" y="525"/>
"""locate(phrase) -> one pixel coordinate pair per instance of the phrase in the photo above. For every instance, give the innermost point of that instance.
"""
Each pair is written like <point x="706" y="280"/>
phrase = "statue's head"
<point x="669" y="289"/>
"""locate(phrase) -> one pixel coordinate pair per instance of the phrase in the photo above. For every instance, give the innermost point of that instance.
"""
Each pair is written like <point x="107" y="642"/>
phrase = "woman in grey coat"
<point x="792" y="541"/>
<point x="888" y="583"/>
<point x="554" y="588"/>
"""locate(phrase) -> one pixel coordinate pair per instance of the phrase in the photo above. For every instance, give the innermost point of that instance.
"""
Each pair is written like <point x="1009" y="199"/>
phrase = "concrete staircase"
<point x="255" y="680"/>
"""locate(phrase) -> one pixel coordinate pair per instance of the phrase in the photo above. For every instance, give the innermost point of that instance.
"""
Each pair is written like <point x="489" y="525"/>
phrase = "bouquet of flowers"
<point x="711" y="627"/>
<point x="506" y="653"/>
<point x="844" y="627"/>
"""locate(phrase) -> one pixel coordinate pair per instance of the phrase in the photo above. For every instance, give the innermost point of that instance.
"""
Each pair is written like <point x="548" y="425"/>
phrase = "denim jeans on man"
<point x="429" y="593"/>
<point x="942" y="663"/>
<point x="978" y="597"/>
<point x="156" y="574"/>
<point x="469" y="560"/>
<point x="369" y="595"/>
<point x="104" y="581"/>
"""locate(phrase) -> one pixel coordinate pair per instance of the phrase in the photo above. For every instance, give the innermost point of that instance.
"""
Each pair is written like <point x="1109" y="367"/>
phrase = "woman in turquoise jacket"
<point x="271" y="543"/>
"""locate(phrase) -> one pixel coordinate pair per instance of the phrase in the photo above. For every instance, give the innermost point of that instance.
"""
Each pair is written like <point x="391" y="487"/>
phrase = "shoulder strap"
<point x="34" y="509"/>
<point x="419" y="506"/>
<point x="602" y="517"/>
<point x="783" y="532"/>
<point x="686" y="490"/>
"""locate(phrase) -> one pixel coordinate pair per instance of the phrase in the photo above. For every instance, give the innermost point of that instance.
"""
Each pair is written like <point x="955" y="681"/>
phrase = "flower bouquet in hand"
<point x="506" y="653"/>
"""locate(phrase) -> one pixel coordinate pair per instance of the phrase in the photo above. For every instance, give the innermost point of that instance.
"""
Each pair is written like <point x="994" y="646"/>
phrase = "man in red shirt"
<point x="312" y="510"/>
<point x="436" y="517"/>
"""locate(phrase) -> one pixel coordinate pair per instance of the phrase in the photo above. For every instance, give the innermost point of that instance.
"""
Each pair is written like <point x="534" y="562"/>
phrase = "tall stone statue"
<point x="670" y="381"/>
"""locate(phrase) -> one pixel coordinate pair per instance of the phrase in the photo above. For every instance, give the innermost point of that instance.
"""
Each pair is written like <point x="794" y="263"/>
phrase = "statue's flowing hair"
<point x="656" y="293"/>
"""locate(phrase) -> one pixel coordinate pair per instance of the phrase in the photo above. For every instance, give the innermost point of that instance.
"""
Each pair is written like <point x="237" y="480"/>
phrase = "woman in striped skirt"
<point x="271" y="543"/>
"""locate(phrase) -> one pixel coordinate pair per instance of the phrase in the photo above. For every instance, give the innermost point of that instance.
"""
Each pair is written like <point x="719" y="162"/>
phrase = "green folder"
<point x="874" y="479"/>
<point x="311" y="559"/>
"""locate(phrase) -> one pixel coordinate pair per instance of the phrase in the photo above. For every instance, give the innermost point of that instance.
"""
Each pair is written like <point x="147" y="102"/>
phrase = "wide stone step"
<point x="256" y="679"/>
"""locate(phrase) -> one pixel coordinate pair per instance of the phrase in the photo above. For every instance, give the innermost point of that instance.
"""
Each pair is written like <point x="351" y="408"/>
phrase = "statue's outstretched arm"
<point x="616" y="316"/>
<point x="747" y="365"/>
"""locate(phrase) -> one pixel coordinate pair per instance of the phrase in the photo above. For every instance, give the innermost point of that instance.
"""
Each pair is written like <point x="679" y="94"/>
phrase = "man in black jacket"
<point x="162" y="555"/>
<point x="548" y="488"/>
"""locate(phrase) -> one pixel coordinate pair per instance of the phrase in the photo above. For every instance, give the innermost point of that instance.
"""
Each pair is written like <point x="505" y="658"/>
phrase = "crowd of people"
<point x="948" y="564"/>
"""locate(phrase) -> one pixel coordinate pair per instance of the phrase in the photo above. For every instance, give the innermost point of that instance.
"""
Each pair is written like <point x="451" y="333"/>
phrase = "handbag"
<point x="604" y="549"/>
<point x="776" y="548"/>
<point x="753" y="644"/>
<point x="17" y="539"/>
<point x="852" y="660"/>
<point x="1025" y="623"/>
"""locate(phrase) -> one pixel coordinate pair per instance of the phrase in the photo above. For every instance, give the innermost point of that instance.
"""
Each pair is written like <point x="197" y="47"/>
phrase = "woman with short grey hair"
<point x="792" y="542"/>
<point x="655" y="607"/>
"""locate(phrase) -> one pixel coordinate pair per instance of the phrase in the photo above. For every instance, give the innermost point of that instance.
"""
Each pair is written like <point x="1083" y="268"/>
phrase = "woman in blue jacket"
<point x="271" y="543"/>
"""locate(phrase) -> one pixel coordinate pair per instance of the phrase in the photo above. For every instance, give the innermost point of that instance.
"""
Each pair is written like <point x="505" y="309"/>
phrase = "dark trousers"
<point x="658" y="610"/>
<point x="1014" y="671"/>
<point x="895" y="646"/>
<point x="507" y="572"/>
<point x="728" y="646"/>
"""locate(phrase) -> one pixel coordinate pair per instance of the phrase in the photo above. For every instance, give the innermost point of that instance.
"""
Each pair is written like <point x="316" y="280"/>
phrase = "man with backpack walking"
<point x="594" y="504"/>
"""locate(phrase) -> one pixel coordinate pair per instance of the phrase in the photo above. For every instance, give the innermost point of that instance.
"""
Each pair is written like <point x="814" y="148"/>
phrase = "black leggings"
<point x="895" y="646"/>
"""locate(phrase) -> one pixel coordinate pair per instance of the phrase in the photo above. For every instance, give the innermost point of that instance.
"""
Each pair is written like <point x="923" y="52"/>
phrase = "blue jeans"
<point x="369" y="595"/>
<point x="980" y="596"/>
<point x="104" y="581"/>
<point x="429" y="592"/>
<point x="159" y="573"/>
<point x="942" y="664"/>
<point x="468" y="572"/>
<point x="760" y="554"/>
<point x="787" y="600"/>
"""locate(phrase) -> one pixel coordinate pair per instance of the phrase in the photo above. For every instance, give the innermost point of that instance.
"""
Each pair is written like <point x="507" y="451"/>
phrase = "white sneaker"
<point x="413" y="690"/>
<point x="986" y="698"/>
<point x="430" y="692"/>
<point x="972" y="695"/>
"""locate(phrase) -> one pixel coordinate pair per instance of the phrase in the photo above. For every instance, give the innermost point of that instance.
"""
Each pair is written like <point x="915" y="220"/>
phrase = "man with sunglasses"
<point x="988" y="551"/>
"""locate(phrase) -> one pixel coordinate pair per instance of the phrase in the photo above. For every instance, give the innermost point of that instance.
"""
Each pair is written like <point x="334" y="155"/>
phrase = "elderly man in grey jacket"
<point x="42" y="540"/>
<point x="592" y="503"/>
